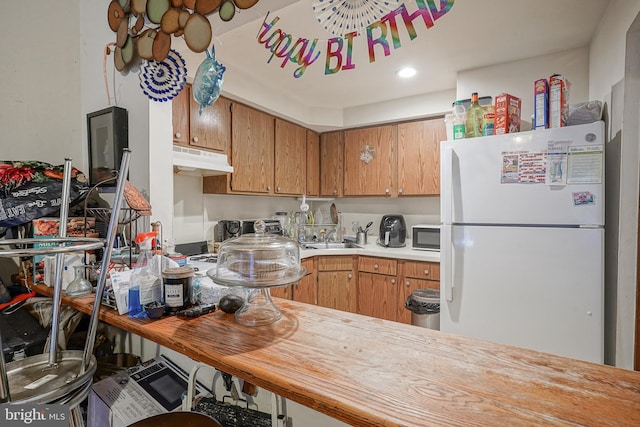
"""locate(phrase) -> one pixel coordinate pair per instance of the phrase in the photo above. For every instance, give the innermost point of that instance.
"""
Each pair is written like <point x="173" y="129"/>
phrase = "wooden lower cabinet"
<point x="337" y="283"/>
<point x="306" y="290"/>
<point x="378" y="287"/>
<point x="371" y="286"/>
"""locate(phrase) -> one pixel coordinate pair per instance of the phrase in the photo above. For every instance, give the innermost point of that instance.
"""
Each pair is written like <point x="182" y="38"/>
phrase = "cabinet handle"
<point x="386" y="190"/>
<point x="400" y="191"/>
<point x="268" y="188"/>
<point x="426" y="271"/>
<point x="278" y="188"/>
<point x="178" y="135"/>
<point x="375" y="266"/>
<point x="393" y="281"/>
<point x="335" y="191"/>
<point x="349" y="275"/>
<point x="407" y="283"/>
<point x="195" y="139"/>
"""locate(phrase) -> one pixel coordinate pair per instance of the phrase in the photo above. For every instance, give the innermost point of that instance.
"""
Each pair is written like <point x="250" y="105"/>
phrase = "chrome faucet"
<point x="330" y="236"/>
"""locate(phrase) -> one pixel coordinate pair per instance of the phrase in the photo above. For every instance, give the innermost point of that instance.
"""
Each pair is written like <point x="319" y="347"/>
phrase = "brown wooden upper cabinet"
<point x="290" y="158"/>
<point x="209" y="131"/>
<point x="370" y="157"/>
<point x="331" y="163"/>
<point x="419" y="157"/>
<point x="251" y="155"/>
<point x="313" y="163"/>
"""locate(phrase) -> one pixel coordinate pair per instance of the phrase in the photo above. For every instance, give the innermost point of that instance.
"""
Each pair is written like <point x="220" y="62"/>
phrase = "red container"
<point x="507" y="111"/>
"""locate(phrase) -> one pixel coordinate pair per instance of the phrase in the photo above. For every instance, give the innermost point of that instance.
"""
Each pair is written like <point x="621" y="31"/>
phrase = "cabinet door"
<point x="210" y="130"/>
<point x="370" y="161"/>
<point x="419" y="157"/>
<point x="407" y="286"/>
<point x="377" y="295"/>
<point x="307" y="290"/>
<point x="281" y="291"/>
<point x="290" y="158"/>
<point x="337" y="289"/>
<point x="313" y="163"/>
<point x="252" y="150"/>
<point x="180" y="116"/>
<point x="331" y="164"/>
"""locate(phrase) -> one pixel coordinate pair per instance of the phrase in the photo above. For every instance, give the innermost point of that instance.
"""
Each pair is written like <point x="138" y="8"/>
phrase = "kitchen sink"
<point x="330" y="245"/>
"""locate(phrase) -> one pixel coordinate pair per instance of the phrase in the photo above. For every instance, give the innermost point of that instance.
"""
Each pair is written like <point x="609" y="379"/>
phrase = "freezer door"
<point x="538" y="288"/>
<point x="503" y="179"/>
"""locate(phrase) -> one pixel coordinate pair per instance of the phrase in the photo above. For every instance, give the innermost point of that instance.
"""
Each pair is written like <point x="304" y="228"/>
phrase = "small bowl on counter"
<point x="154" y="310"/>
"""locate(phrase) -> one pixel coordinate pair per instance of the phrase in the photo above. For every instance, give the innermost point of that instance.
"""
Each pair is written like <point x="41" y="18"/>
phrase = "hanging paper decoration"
<point x="367" y="154"/>
<point x="163" y="80"/>
<point x="340" y="17"/>
<point x="207" y="82"/>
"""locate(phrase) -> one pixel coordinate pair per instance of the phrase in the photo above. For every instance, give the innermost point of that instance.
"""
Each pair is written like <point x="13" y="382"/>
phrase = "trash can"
<point x="425" y="308"/>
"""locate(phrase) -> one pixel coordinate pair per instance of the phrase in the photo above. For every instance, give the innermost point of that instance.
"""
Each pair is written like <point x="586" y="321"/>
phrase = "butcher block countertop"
<point x="370" y="372"/>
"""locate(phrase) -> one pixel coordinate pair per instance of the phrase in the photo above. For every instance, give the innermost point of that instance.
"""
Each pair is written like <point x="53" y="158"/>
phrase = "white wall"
<point x="40" y="113"/>
<point x="608" y="83"/>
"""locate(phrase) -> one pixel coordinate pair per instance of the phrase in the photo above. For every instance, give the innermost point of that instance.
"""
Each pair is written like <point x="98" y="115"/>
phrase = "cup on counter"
<point x="361" y="238"/>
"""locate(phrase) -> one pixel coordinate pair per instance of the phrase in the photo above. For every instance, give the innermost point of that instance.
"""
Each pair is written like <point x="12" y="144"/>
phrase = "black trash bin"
<point x="425" y="308"/>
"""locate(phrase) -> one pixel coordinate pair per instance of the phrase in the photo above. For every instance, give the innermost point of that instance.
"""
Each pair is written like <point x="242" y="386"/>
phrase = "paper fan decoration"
<point x="162" y="80"/>
<point x="340" y="17"/>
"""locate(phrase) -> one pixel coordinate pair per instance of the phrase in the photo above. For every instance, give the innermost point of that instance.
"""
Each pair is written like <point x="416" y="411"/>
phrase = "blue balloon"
<point x="207" y="82"/>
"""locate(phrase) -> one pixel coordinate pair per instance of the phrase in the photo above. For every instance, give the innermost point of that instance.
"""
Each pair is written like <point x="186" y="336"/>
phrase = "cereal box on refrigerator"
<point x="559" y="88"/>
<point x="507" y="114"/>
<point x="541" y="104"/>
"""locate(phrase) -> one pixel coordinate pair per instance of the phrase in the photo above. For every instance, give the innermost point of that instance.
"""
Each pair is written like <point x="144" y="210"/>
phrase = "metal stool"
<point x="63" y="377"/>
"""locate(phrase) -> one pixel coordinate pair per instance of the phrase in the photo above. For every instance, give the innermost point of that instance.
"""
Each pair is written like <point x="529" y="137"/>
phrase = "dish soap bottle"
<point x="145" y="285"/>
<point x="475" y="115"/>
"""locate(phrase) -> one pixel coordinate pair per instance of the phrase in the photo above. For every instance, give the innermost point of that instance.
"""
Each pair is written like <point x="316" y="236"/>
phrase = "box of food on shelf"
<point x="48" y="228"/>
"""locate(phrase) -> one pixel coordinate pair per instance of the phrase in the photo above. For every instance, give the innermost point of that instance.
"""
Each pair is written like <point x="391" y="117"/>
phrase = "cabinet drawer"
<point x="332" y="263"/>
<point x="422" y="270"/>
<point x="378" y="265"/>
<point x="308" y="264"/>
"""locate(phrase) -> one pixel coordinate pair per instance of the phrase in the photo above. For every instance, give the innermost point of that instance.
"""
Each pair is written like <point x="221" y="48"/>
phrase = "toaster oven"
<point x="425" y="237"/>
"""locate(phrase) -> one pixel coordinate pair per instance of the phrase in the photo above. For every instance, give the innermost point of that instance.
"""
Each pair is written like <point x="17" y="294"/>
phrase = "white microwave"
<point x="425" y="237"/>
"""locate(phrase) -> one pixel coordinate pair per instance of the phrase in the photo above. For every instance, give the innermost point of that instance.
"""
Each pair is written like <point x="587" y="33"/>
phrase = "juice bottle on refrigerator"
<point x="459" y="119"/>
<point x="475" y="116"/>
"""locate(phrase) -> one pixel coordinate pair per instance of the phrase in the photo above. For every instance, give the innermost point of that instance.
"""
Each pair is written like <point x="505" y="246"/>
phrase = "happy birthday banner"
<point x="339" y="50"/>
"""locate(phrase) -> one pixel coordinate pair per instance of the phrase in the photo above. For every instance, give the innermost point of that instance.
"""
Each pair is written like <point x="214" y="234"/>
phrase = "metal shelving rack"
<point x="65" y="376"/>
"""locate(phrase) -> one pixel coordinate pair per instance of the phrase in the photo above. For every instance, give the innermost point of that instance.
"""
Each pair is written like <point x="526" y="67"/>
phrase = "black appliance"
<point x="393" y="231"/>
<point x="227" y="229"/>
<point x="272" y="226"/>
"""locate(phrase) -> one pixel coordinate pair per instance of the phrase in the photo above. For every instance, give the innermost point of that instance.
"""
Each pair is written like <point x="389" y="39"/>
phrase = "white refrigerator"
<point x="522" y="240"/>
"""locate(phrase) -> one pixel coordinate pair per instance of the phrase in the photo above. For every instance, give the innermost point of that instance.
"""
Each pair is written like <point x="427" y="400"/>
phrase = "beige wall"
<point x="613" y="79"/>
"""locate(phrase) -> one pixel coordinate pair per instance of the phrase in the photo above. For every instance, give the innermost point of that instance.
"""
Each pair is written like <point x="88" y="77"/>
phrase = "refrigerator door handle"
<point x="446" y="258"/>
<point x="446" y="185"/>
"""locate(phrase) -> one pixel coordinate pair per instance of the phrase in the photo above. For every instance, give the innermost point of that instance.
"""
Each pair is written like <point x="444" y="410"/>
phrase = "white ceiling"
<point x="472" y="34"/>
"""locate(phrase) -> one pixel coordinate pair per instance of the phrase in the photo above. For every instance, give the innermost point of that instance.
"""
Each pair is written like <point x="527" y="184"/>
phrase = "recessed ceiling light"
<point x="407" y="72"/>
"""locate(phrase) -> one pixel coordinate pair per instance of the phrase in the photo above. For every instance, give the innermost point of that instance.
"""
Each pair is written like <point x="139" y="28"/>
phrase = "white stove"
<point x="202" y="262"/>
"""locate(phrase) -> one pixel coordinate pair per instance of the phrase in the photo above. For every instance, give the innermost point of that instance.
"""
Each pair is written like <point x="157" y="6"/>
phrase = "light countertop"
<point x="373" y="249"/>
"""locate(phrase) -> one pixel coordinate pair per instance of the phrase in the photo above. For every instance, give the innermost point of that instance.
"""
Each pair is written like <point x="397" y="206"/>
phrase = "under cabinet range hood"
<point x="189" y="161"/>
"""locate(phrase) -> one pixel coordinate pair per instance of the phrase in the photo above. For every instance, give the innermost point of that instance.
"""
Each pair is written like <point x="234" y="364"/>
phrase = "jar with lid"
<point x="177" y="288"/>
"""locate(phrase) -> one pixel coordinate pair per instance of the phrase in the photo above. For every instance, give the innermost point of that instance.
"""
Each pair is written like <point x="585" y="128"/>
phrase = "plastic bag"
<point x="207" y="82"/>
<point x="584" y="113"/>
<point x="33" y="189"/>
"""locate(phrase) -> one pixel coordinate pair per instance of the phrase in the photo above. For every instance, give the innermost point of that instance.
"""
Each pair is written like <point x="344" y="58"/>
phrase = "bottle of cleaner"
<point x="145" y="284"/>
<point x="459" y="120"/>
